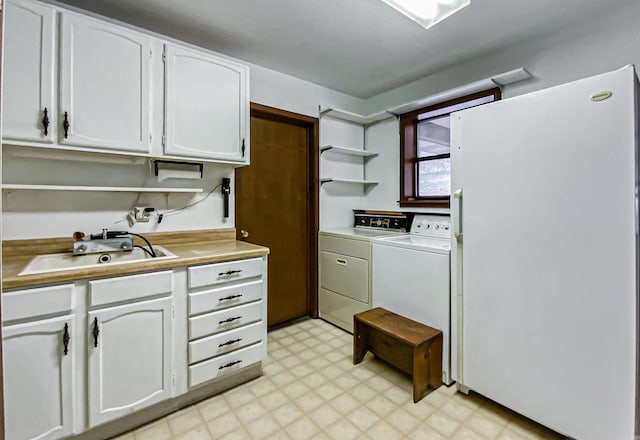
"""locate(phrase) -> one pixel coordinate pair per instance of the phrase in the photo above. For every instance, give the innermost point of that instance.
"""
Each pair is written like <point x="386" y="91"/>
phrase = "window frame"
<point x="409" y="159"/>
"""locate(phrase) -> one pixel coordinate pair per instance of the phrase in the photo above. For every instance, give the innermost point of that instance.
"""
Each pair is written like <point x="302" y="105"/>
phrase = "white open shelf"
<point x="353" y="117"/>
<point x="330" y="179"/>
<point x="347" y="151"/>
<point x="16" y="186"/>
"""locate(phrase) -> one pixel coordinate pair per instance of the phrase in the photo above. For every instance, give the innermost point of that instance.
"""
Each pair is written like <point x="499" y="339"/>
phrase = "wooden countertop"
<point x="191" y="248"/>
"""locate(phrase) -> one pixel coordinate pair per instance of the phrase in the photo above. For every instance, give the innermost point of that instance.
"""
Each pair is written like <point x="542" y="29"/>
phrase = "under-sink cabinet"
<point x="84" y="357"/>
<point x="130" y="345"/>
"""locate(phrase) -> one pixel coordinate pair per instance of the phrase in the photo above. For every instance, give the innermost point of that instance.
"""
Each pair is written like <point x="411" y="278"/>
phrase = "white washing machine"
<point x="345" y="264"/>
<point x="411" y="277"/>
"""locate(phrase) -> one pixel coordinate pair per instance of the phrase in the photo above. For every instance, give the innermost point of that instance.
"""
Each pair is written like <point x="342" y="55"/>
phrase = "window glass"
<point x="433" y="137"/>
<point x="434" y="178"/>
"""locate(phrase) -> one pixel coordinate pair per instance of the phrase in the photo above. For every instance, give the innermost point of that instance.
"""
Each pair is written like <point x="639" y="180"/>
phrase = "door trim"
<point x="313" y="190"/>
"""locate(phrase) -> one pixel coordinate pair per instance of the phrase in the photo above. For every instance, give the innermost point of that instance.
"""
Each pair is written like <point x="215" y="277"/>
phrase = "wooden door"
<point x="104" y="85"/>
<point x="277" y="205"/>
<point x="38" y="379"/>
<point x="28" y="76"/>
<point x="206" y="105"/>
<point x="130" y="368"/>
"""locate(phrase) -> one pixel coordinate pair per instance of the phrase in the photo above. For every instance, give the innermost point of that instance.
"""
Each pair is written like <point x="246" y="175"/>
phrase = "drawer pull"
<point x="66" y="338"/>
<point x="228" y="320"/>
<point x="341" y="262"/>
<point x="227" y="298"/>
<point x="230" y="364"/>
<point x="233" y="341"/>
<point x="230" y="272"/>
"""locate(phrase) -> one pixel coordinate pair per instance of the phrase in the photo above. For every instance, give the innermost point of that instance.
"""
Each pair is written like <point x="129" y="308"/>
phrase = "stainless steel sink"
<point x="67" y="261"/>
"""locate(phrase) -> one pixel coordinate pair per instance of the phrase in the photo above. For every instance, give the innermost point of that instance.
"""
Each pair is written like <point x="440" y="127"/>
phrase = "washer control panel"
<point x="429" y="225"/>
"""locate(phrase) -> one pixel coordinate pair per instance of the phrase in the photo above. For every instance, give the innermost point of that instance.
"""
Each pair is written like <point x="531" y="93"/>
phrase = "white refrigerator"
<point x="545" y="254"/>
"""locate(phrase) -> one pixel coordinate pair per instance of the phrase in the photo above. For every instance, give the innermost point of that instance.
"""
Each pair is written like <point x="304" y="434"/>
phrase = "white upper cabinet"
<point x="104" y="85"/>
<point x="206" y="106"/>
<point x="38" y="379"/>
<point x="28" y="77"/>
<point x="129" y="358"/>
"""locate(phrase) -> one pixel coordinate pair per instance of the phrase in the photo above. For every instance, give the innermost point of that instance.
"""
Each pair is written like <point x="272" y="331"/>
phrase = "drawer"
<point x="224" y="297"/>
<point x="133" y="287"/>
<point x="345" y="246"/>
<point x="224" y="320"/>
<point x="348" y="276"/>
<point x="31" y="303"/>
<point x="221" y="343"/>
<point x="225" y="365"/>
<point x="224" y="272"/>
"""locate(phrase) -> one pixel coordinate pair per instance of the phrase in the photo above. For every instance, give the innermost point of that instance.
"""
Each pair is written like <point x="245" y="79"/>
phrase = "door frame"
<point x="311" y="125"/>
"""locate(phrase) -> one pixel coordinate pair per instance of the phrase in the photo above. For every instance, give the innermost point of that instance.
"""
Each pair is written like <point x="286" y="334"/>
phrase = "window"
<point x="425" y="151"/>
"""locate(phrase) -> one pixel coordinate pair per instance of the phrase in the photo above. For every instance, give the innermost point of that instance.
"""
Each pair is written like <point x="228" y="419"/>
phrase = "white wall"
<point x="337" y="200"/>
<point x="275" y="89"/>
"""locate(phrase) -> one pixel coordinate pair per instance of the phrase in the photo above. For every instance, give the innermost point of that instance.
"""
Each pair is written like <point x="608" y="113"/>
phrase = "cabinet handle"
<point x="45" y="122"/>
<point x="243" y="147"/>
<point x="230" y="272"/>
<point x="233" y="341"/>
<point x="66" y="338"/>
<point x="96" y="332"/>
<point x="66" y="125"/>
<point x="225" y="321"/>
<point x="230" y="364"/>
<point x="227" y="298"/>
<point x="341" y="261"/>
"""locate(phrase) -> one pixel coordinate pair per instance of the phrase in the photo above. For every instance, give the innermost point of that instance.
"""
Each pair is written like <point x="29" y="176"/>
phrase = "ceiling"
<point x="359" y="47"/>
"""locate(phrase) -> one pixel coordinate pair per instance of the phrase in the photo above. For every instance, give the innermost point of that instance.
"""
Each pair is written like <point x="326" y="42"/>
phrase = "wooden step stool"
<point x="408" y="345"/>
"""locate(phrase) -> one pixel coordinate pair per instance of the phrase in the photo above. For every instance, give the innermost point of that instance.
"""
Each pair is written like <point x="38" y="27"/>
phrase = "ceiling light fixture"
<point x="427" y="13"/>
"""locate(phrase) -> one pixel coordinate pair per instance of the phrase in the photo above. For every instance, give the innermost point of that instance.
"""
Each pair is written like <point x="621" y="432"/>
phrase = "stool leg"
<point x="421" y="370"/>
<point x="359" y="341"/>
<point x="435" y="362"/>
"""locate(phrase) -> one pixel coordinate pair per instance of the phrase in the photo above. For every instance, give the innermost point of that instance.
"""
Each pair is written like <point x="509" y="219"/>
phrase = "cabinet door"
<point x="38" y="380"/>
<point x="129" y="358"/>
<point x="28" y="78"/>
<point x="104" y="85"/>
<point x="206" y="106"/>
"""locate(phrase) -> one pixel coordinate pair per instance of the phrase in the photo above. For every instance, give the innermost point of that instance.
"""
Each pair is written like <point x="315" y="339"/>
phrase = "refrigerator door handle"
<point x="457" y="215"/>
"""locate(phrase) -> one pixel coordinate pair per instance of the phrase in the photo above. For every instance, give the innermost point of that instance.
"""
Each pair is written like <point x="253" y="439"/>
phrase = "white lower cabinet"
<point x="39" y="379"/>
<point x="129" y="358"/>
<point x="79" y="355"/>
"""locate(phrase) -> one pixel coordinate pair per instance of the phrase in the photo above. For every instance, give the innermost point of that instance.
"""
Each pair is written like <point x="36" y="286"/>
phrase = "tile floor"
<point x="311" y="390"/>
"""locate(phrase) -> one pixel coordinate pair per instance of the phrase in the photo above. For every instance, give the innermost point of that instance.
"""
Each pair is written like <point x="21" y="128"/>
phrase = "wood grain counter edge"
<point x="190" y="247"/>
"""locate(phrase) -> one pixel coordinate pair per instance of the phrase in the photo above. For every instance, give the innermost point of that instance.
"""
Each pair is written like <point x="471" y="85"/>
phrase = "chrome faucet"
<point x="107" y="241"/>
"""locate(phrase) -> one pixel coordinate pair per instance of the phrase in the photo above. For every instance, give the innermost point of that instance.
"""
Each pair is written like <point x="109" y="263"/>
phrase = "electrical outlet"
<point x="142" y="214"/>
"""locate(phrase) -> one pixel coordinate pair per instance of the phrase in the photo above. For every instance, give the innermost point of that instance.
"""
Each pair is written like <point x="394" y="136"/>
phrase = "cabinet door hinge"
<point x="150" y="138"/>
<point x="173" y="380"/>
<point x="163" y="140"/>
<point x="164" y="58"/>
<point x="173" y="312"/>
<point x="243" y="147"/>
<point x="150" y="53"/>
